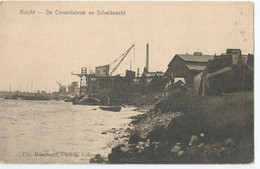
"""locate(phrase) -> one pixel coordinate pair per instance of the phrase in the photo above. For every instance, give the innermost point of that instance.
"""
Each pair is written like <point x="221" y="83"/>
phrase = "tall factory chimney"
<point x="137" y="72"/>
<point x="147" y="57"/>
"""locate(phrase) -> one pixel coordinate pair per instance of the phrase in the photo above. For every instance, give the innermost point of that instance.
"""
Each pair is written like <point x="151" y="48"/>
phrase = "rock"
<point x="175" y="149"/>
<point x="200" y="145"/>
<point x="131" y="146"/>
<point x="158" y="133"/>
<point x="202" y="134"/>
<point x="134" y="139"/>
<point x="116" y="138"/>
<point x="125" y="149"/>
<point x="138" y="146"/>
<point x="97" y="159"/>
<point x="155" y="142"/>
<point x="147" y="144"/>
<point x="104" y="132"/>
<point x="117" y="149"/>
<point x="178" y="144"/>
<point x="119" y="153"/>
<point x="230" y="142"/>
<point x="180" y="153"/>
<point x="193" y="139"/>
<point x="141" y="143"/>
<point x="223" y="149"/>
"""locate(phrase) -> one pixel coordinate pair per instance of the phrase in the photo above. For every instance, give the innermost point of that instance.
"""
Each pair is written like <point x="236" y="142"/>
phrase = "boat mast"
<point x="108" y="101"/>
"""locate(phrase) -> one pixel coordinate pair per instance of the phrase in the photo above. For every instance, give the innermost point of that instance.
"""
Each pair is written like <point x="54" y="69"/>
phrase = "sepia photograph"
<point x="125" y="82"/>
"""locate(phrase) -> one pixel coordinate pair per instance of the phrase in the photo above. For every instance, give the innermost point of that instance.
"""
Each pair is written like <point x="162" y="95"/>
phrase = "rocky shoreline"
<point x="189" y="130"/>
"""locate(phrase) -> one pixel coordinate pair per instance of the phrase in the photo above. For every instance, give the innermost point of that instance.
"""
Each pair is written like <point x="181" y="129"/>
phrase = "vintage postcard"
<point x="127" y="82"/>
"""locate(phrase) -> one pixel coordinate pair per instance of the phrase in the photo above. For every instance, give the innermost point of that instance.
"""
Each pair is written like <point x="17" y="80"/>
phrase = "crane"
<point x="59" y="83"/>
<point x="120" y="59"/>
<point x="62" y="89"/>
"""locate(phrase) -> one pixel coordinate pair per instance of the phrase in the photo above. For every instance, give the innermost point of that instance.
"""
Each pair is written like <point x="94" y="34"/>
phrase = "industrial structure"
<point x="120" y="89"/>
<point x="186" y="67"/>
<point x="228" y="73"/>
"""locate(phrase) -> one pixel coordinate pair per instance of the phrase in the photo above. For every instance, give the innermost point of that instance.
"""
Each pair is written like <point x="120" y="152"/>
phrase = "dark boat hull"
<point x="11" y="97"/>
<point x="86" y="101"/>
<point x="43" y="98"/>
<point x="111" y="108"/>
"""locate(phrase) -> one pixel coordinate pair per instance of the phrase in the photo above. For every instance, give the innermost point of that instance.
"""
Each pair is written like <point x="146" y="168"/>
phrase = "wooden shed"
<point x="187" y="66"/>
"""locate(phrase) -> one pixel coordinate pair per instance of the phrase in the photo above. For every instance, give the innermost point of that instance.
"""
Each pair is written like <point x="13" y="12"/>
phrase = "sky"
<point x="47" y="48"/>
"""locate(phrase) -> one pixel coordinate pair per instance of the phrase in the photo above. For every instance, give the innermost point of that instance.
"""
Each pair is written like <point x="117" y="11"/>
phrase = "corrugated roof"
<point x="196" y="58"/>
<point x="196" y="67"/>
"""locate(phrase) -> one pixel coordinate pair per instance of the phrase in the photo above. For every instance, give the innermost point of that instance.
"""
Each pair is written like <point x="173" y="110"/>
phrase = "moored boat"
<point x="34" y="97"/>
<point x="69" y="98"/>
<point x="11" y="96"/>
<point x="172" y="89"/>
<point x="111" y="108"/>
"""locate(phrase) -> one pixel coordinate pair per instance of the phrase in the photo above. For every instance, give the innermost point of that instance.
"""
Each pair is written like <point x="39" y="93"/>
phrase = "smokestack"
<point x="137" y="72"/>
<point x="147" y="57"/>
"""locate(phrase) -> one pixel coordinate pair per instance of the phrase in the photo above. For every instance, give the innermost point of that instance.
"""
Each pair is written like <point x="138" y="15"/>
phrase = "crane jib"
<point x="120" y="59"/>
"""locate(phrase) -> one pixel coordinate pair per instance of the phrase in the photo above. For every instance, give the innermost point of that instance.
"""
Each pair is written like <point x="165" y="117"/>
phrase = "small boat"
<point x="176" y="88"/>
<point x="111" y="108"/>
<point x="69" y="99"/>
<point x="11" y="96"/>
<point x="35" y="97"/>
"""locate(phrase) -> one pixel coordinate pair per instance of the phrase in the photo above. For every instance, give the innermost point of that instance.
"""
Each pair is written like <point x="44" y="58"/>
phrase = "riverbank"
<point x="190" y="129"/>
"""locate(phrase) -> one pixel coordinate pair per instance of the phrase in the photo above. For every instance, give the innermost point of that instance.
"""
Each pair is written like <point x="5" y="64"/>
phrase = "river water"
<point x="55" y="131"/>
